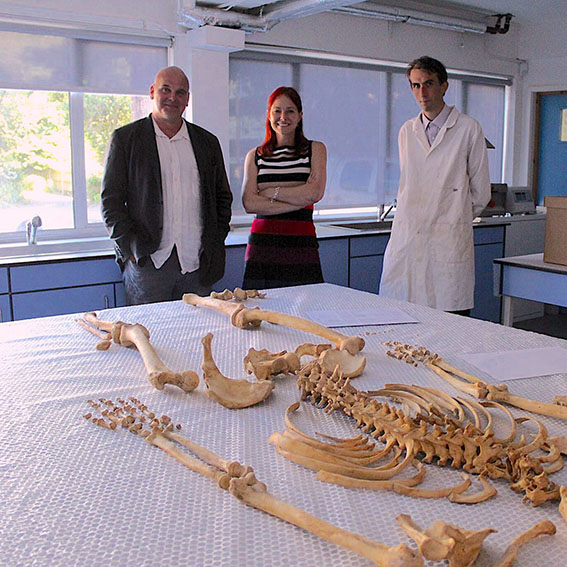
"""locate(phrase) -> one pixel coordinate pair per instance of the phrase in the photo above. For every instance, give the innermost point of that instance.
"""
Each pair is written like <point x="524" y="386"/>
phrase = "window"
<point x="60" y="99"/>
<point x="356" y="109"/>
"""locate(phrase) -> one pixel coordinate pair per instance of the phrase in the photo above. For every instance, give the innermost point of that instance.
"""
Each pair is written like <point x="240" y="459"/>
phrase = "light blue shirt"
<point x="433" y="127"/>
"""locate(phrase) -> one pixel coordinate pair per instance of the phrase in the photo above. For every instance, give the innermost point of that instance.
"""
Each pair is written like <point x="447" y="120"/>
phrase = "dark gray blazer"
<point x="132" y="197"/>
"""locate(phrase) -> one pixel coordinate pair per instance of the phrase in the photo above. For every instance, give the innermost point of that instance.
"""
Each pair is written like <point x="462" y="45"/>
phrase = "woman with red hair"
<point x="283" y="178"/>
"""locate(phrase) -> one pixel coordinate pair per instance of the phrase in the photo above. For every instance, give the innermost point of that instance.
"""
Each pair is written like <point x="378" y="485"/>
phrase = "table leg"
<point x="507" y="310"/>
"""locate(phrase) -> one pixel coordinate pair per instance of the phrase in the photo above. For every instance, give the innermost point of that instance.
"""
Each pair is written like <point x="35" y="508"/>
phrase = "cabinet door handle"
<point x="1" y="315"/>
<point x="106" y="302"/>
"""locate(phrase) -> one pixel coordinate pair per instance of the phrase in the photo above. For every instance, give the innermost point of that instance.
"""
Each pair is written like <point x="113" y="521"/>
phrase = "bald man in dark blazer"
<point x="133" y="199"/>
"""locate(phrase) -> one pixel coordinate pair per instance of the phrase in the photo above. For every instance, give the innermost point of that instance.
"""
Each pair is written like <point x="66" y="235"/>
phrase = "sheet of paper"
<point x="516" y="364"/>
<point x="360" y="317"/>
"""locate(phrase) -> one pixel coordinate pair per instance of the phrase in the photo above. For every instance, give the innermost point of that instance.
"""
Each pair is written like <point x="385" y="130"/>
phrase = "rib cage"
<point x="439" y="439"/>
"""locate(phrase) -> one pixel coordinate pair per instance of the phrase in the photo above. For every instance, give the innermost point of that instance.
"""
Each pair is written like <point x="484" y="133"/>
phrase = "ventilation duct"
<point x="194" y="16"/>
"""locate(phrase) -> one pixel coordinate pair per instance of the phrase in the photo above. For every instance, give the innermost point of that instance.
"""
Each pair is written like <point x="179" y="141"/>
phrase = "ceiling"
<point x="524" y="12"/>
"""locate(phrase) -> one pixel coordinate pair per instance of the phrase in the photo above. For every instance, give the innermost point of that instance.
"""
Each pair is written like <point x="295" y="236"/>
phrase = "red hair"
<point x="301" y="143"/>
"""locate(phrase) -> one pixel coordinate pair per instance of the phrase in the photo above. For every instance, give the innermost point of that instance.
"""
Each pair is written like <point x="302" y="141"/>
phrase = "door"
<point x="550" y="155"/>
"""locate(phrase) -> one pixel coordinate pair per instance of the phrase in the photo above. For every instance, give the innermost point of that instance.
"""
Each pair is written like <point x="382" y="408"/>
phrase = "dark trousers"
<point x="146" y="284"/>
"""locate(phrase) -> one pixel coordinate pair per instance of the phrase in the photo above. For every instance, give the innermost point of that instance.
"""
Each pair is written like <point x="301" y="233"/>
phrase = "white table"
<point x="529" y="277"/>
<point x="72" y="493"/>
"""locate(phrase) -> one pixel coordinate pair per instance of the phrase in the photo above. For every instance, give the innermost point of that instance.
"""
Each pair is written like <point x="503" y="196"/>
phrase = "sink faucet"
<point x="383" y="212"/>
<point x="31" y="230"/>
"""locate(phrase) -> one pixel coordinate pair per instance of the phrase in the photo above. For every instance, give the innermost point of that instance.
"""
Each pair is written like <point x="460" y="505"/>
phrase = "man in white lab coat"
<point x="444" y="184"/>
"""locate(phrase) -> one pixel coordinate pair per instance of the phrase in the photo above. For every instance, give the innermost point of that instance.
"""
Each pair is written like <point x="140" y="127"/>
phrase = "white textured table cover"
<point x="72" y="493"/>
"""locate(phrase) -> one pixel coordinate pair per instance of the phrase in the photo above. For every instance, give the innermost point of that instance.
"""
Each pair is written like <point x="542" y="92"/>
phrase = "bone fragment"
<point x="138" y="336"/>
<point x="254" y="493"/>
<point x="350" y="366"/>
<point x="243" y="318"/>
<point x="265" y="364"/>
<point x="237" y="295"/>
<point x="311" y="349"/>
<point x="444" y="541"/>
<point x="563" y="502"/>
<point x="542" y="528"/>
<point x="232" y="394"/>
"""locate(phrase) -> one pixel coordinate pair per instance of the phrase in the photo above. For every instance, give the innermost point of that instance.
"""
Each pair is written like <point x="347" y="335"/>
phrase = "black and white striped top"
<point x="283" y="165"/>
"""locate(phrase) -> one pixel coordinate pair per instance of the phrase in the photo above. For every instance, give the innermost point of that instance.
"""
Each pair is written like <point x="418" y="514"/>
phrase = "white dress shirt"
<point x="432" y="127"/>
<point x="182" y="223"/>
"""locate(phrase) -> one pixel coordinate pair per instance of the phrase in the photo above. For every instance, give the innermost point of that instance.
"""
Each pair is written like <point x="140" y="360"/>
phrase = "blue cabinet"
<point x="366" y="258"/>
<point x="4" y="288"/>
<point x="61" y="301"/>
<point x="488" y="245"/>
<point x="65" y="274"/>
<point x="5" y="314"/>
<point x="333" y="253"/>
<point x="49" y="288"/>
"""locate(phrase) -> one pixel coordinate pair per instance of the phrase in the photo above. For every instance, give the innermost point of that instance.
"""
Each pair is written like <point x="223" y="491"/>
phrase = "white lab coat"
<point x="430" y="257"/>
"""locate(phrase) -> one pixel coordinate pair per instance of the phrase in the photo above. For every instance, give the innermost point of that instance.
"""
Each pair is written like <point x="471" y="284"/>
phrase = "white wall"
<point x="544" y="47"/>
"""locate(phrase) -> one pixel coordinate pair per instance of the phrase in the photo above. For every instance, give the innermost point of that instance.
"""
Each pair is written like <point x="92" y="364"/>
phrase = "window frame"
<point x="82" y="229"/>
<point x="296" y="57"/>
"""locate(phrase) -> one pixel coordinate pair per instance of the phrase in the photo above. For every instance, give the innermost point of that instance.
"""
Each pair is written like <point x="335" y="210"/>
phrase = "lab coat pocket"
<point x="451" y="242"/>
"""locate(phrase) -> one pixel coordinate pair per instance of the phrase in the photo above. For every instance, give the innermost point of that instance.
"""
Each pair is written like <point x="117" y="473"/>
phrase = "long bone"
<point x="242" y="317"/>
<point x="471" y="384"/>
<point x="232" y="394"/>
<point x="254" y="493"/>
<point x="137" y="335"/>
<point x="464" y="447"/>
<point x="241" y="482"/>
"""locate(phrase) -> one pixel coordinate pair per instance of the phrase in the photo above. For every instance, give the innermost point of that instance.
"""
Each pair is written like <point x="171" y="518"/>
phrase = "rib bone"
<point x="542" y="528"/>
<point x="137" y="335"/>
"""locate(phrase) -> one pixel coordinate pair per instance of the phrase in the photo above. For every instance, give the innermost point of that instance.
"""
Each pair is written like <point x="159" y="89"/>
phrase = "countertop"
<point x="49" y="251"/>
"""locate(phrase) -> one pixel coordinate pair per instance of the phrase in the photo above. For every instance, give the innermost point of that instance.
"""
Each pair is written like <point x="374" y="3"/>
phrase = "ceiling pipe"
<point x="191" y="16"/>
<point x="408" y="16"/>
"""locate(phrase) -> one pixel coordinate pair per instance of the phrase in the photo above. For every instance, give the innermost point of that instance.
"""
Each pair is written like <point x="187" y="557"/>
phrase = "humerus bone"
<point x="542" y="528"/>
<point x="471" y="384"/>
<point x="265" y="364"/>
<point x="232" y="394"/>
<point x="137" y="335"/>
<point x="243" y="317"/>
<point x="445" y="541"/>
<point x="242" y="483"/>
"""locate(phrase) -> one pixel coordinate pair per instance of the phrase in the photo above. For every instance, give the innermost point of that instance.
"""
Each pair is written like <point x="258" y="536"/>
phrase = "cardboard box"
<point x="555" y="249"/>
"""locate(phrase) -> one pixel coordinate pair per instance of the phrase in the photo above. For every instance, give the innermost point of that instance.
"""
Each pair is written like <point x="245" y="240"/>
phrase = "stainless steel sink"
<point x="366" y="225"/>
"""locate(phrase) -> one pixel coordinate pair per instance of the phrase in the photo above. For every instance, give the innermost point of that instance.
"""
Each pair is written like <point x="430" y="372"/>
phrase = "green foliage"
<point x="103" y="114"/>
